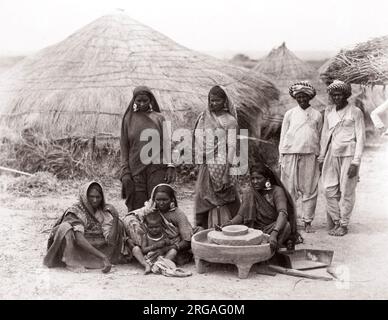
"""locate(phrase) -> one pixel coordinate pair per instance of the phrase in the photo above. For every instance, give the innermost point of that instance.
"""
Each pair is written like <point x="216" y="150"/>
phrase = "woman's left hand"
<point x="112" y="210"/>
<point x="273" y="241"/>
<point x="170" y="175"/>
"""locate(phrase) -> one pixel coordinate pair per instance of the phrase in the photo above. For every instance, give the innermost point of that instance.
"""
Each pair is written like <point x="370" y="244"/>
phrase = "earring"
<point x="135" y="108"/>
<point x="268" y="185"/>
<point x="150" y="110"/>
<point x="172" y="205"/>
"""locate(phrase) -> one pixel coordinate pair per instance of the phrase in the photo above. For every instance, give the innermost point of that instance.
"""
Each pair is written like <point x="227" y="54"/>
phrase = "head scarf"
<point x="266" y="171"/>
<point x="341" y="86"/>
<point x="217" y="91"/>
<point x="302" y="87"/>
<point x="164" y="187"/>
<point x="137" y="91"/>
<point x="83" y="209"/>
<point x="221" y="92"/>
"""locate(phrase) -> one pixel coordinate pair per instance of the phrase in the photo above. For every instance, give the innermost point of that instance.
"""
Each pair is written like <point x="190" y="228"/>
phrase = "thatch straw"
<point x="82" y="85"/>
<point x="284" y="68"/>
<point x="365" y="63"/>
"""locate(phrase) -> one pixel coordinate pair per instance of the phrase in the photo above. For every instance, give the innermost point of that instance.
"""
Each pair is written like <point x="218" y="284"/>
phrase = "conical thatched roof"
<point x="284" y="68"/>
<point x="82" y="85"/>
<point x="283" y="64"/>
<point x="364" y="63"/>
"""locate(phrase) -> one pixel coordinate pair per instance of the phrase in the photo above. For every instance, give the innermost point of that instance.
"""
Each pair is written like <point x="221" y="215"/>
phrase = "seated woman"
<point x="175" y="223"/>
<point x="88" y="235"/>
<point x="267" y="206"/>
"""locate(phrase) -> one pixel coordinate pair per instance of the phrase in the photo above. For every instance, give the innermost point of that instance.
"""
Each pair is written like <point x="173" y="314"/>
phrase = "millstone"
<point x="235" y="230"/>
<point x="252" y="237"/>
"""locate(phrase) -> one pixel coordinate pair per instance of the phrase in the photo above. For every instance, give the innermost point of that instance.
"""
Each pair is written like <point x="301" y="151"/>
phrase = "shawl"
<point x="130" y="152"/>
<point x="207" y="120"/>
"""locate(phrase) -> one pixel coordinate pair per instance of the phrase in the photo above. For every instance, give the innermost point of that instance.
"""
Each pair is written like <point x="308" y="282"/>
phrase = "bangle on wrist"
<point x="277" y="231"/>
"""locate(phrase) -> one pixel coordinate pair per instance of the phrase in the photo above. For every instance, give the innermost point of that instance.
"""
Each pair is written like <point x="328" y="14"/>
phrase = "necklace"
<point x="155" y="239"/>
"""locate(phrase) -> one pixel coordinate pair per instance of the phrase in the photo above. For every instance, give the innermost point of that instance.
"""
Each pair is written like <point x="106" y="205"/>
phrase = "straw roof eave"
<point x="82" y="85"/>
<point x="365" y="63"/>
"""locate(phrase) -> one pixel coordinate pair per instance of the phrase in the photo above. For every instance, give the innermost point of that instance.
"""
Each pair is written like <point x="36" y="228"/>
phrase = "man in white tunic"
<point x="342" y="144"/>
<point x="299" y="150"/>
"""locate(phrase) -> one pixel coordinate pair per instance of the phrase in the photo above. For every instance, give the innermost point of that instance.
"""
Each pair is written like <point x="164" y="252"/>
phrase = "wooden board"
<point x="307" y="264"/>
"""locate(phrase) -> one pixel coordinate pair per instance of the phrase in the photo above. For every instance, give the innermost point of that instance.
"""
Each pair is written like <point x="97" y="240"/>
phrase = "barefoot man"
<point x="342" y="144"/>
<point x="299" y="150"/>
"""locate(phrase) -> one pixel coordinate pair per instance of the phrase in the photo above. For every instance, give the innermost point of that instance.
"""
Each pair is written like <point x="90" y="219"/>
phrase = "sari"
<point x="261" y="211"/>
<point x="175" y="224"/>
<point x="62" y="249"/>
<point x="216" y="195"/>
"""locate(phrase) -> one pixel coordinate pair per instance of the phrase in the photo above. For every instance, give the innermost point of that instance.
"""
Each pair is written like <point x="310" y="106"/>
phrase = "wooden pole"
<point x="297" y="273"/>
<point x="15" y="171"/>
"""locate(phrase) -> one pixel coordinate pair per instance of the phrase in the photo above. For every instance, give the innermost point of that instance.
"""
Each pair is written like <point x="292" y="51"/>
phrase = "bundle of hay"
<point x="365" y="63"/>
<point x="37" y="185"/>
<point x="82" y="85"/>
<point x="33" y="152"/>
<point x="284" y="68"/>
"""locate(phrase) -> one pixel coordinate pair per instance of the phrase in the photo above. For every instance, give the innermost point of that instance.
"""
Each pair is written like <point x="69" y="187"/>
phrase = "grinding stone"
<point x="235" y="230"/>
<point x="253" y="237"/>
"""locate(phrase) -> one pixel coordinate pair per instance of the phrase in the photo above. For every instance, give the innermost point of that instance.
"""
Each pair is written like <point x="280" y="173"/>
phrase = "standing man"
<point x="299" y="150"/>
<point x="342" y="144"/>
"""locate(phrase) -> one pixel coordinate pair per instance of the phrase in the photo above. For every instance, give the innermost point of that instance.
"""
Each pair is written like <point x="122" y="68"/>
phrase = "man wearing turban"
<point x="299" y="150"/>
<point x="342" y="144"/>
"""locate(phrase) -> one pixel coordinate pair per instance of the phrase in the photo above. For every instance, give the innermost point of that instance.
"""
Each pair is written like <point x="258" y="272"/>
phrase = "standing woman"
<point x="139" y="176"/>
<point x="216" y="196"/>
<point x="342" y="144"/>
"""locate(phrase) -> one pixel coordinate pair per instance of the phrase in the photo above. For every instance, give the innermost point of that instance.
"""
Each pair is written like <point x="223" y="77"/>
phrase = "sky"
<point x="203" y="25"/>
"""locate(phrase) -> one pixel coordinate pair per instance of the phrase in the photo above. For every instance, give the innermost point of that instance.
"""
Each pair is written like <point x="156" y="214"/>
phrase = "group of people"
<point x="155" y="230"/>
<point x="330" y="146"/>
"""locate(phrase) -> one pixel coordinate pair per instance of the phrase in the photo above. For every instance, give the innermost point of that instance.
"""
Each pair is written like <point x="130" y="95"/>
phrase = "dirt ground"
<point x="360" y="255"/>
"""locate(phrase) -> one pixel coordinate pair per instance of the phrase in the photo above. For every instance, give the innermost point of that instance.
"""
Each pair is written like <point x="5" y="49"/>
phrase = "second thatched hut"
<point x="284" y="68"/>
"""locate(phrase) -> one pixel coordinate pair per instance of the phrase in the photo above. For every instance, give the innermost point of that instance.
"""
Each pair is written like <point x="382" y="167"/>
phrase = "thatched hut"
<point x="284" y="68"/>
<point x="365" y="66"/>
<point x="365" y="63"/>
<point x="82" y="85"/>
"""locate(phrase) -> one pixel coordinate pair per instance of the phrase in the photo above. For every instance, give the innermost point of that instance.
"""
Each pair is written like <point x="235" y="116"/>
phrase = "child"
<point x="154" y="243"/>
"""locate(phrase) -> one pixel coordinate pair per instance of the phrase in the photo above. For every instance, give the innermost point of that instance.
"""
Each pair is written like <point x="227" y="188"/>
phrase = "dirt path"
<point x="362" y="255"/>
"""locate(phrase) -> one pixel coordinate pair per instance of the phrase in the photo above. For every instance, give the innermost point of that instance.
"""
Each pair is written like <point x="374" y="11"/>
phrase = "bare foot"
<point x="332" y="231"/>
<point x="107" y="266"/>
<point x="341" y="231"/>
<point x="308" y="228"/>
<point x="147" y="269"/>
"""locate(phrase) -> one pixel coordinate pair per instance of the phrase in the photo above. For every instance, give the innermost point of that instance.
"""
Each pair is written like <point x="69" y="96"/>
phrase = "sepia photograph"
<point x="214" y="150"/>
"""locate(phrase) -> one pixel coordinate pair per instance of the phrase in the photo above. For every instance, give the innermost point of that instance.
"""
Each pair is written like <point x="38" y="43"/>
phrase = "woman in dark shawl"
<point x="216" y="196"/>
<point x="139" y="176"/>
<point x="88" y="235"/>
<point x="267" y="206"/>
